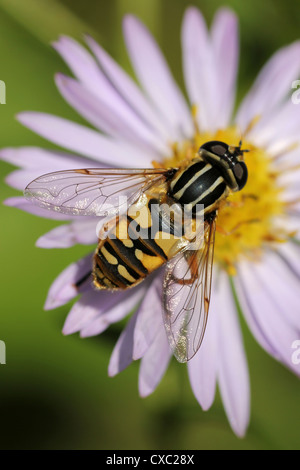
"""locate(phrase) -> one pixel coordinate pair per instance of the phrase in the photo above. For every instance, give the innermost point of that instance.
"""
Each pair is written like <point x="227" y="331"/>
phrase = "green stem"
<point x="45" y="19"/>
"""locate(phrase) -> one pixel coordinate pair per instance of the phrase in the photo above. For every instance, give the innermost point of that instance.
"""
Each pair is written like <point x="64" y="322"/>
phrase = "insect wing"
<point x="186" y="295"/>
<point x="93" y="192"/>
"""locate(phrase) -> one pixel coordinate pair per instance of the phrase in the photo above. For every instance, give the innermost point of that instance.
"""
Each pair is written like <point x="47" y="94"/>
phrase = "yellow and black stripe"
<point x="200" y="183"/>
<point x="128" y="254"/>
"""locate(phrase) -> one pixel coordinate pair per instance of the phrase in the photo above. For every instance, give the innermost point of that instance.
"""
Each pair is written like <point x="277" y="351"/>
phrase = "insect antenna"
<point x="239" y="148"/>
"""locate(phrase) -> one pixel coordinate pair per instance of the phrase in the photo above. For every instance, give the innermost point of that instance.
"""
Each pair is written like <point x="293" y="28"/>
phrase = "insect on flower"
<point x="148" y="235"/>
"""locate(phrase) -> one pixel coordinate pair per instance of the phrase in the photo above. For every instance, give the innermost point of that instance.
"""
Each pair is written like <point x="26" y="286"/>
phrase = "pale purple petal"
<point x="233" y="376"/>
<point x="149" y="318"/>
<point x="81" y="232"/>
<point x="292" y="222"/>
<point x="84" y="66"/>
<point x="194" y="42"/>
<point x="88" y="72"/>
<point x="225" y="47"/>
<point x="86" y="69"/>
<point x="85" y="309"/>
<point x="83" y="140"/>
<point x="202" y="367"/>
<point x="287" y="158"/>
<point x="22" y="203"/>
<point x="253" y="320"/>
<point x="283" y="286"/>
<point x="290" y="253"/>
<point x="289" y="222"/>
<point x="282" y="145"/>
<point x="123" y="304"/>
<point x="287" y="178"/>
<point x="294" y="211"/>
<point x="291" y="186"/>
<point x="199" y="68"/>
<point x="272" y="85"/>
<point x="32" y="158"/>
<point x="36" y="162"/>
<point x="130" y="91"/>
<point x="97" y="309"/>
<point x="19" y="179"/>
<point x="266" y="319"/>
<point x="154" y="75"/>
<point x="103" y="116"/>
<point x="72" y="281"/>
<point x="278" y="131"/>
<point x="122" y="354"/>
<point x="154" y="363"/>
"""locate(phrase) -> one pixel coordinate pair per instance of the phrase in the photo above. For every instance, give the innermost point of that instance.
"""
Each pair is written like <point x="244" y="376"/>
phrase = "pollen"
<point x="246" y="219"/>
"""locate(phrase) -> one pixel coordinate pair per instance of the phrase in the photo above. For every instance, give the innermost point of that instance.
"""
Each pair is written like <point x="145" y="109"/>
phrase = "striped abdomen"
<point x="137" y="244"/>
<point x="199" y="183"/>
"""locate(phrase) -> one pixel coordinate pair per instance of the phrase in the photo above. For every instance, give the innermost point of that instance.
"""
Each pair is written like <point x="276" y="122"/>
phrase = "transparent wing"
<point x="186" y="295"/>
<point x="98" y="192"/>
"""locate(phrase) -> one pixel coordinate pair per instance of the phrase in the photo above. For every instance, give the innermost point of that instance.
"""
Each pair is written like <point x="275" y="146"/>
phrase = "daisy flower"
<point x="256" y="265"/>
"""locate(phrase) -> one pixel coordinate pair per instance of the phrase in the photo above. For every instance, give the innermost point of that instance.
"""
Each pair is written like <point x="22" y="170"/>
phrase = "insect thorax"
<point x="200" y="186"/>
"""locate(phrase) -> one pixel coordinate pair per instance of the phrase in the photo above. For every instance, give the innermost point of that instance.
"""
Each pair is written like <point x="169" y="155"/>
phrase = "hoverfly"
<point x="130" y="251"/>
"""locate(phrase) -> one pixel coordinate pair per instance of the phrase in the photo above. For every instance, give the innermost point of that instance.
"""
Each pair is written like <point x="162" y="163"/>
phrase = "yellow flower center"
<point x="247" y="220"/>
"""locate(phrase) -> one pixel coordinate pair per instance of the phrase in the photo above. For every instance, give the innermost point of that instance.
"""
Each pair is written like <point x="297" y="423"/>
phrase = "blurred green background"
<point x="54" y="390"/>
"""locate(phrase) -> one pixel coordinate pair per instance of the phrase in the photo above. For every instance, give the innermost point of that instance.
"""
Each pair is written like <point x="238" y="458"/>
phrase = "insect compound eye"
<point x="216" y="147"/>
<point x="241" y="174"/>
